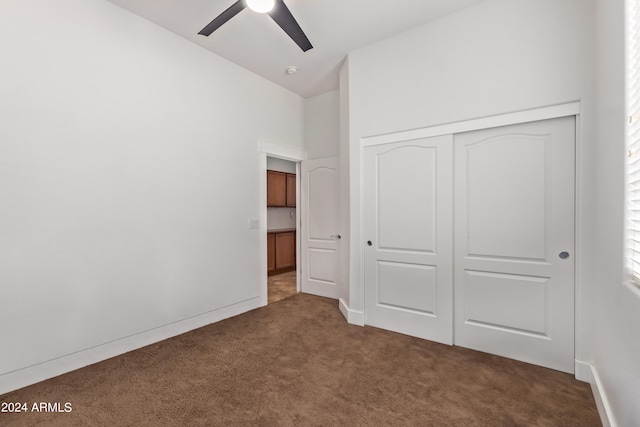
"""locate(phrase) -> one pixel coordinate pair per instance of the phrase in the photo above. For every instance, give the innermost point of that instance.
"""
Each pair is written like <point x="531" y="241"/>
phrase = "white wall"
<point x="497" y="57"/>
<point x="346" y="242"/>
<point x="322" y="125"/>
<point x="616" y="327"/>
<point x="281" y="165"/>
<point x="128" y="173"/>
<point x="281" y="218"/>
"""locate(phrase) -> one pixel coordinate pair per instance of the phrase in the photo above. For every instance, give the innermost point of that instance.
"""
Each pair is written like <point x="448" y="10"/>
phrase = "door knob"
<point x="563" y="255"/>
<point x="369" y="242"/>
<point x="336" y="236"/>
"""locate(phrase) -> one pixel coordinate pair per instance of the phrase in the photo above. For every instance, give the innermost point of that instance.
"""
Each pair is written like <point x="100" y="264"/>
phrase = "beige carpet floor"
<point x="297" y="362"/>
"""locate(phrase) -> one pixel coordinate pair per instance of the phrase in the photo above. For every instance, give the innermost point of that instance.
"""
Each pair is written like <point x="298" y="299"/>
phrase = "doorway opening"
<point x="282" y="229"/>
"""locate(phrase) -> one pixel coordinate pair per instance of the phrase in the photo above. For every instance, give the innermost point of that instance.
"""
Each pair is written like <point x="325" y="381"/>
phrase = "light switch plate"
<point x="254" y="224"/>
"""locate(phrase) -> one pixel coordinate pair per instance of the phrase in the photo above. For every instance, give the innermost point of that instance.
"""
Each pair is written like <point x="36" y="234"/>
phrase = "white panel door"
<point x="408" y="237"/>
<point x="514" y="242"/>
<point x="320" y="236"/>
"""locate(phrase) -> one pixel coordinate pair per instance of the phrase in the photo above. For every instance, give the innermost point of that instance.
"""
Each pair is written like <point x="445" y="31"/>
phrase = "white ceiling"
<point x="255" y="42"/>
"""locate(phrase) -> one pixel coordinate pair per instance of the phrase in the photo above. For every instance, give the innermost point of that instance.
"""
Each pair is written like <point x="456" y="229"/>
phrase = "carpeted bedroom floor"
<point x="297" y="362"/>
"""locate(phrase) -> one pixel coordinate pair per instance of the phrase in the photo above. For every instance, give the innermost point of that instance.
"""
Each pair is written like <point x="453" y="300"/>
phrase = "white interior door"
<point x="320" y="235"/>
<point x="408" y="237"/>
<point x="514" y="240"/>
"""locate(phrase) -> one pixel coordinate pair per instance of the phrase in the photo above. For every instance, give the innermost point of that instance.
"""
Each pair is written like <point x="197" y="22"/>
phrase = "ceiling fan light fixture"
<point x="279" y="12"/>
<point x="261" y="6"/>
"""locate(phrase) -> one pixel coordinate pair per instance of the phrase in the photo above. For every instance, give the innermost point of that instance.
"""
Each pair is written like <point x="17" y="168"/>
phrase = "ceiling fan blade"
<point x="283" y="17"/>
<point x="232" y="11"/>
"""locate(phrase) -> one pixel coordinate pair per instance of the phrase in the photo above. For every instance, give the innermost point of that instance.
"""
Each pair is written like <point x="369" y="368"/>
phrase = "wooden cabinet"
<point x="285" y="250"/>
<point x="271" y="251"/>
<point x="281" y="244"/>
<point x="291" y="190"/>
<point x="276" y="189"/>
<point x="281" y="189"/>
<point x="281" y="251"/>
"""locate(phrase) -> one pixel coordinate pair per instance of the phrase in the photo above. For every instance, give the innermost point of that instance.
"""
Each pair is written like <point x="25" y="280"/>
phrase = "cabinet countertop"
<point x="280" y="230"/>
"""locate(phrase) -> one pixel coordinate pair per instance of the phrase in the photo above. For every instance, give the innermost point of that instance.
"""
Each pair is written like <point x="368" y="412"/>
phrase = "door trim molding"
<point x="518" y="117"/>
<point x="268" y="148"/>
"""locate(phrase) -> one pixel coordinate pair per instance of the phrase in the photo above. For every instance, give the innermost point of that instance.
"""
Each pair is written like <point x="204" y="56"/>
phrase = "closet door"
<point x="514" y="242"/>
<point x="408" y="237"/>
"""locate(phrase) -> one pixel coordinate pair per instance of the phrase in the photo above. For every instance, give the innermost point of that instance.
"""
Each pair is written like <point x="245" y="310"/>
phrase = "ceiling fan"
<point x="276" y="9"/>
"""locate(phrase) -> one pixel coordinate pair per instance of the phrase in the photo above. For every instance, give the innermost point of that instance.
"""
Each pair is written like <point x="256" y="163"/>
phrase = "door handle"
<point x="369" y="242"/>
<point x="336" y="236"/>
<point x="563" y="255"/>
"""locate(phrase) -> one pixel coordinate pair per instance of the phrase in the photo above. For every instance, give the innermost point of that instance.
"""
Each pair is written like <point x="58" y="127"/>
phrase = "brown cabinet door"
<point x="271" y="252"/>
<point x="285" y="250"/>
<point x="276" y="188"/>
<point x="291" y="190"/>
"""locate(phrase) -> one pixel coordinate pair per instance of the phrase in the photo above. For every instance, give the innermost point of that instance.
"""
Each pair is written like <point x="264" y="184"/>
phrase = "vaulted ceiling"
<point x="255" y="42"/>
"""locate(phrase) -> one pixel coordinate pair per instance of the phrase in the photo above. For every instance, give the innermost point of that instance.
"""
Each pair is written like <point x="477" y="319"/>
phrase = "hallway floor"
<point x="281" y="286"/>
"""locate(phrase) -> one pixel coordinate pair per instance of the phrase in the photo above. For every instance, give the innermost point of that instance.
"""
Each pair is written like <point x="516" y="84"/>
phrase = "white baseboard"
<point x="61" y="365"/>
<point x="583" y="371"/>
<point x="588" y="373"/>
<point x="343" y="309"/>
<point x="353" y="317"/>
